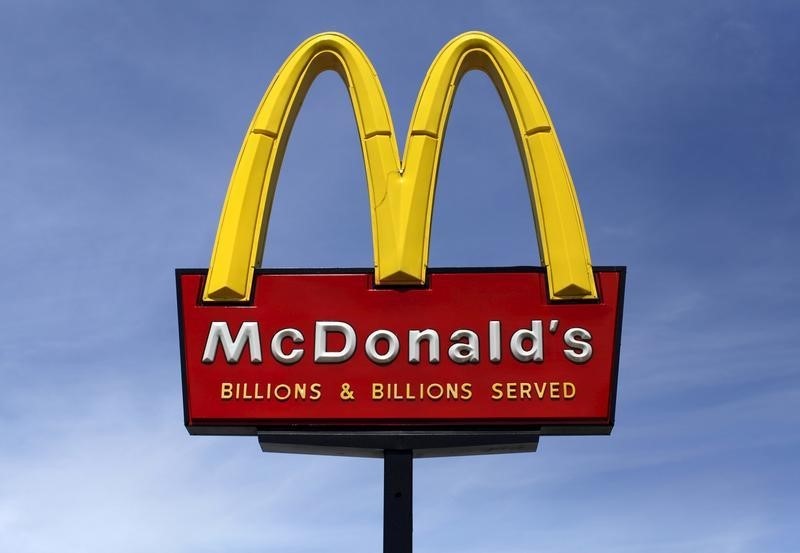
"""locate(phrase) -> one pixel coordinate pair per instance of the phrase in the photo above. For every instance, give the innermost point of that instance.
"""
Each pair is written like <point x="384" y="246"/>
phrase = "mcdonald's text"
<point x="383" y="346"/>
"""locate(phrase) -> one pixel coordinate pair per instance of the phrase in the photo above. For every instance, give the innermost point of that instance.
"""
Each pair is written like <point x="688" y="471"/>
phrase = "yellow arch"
<point x="401" y="196"/>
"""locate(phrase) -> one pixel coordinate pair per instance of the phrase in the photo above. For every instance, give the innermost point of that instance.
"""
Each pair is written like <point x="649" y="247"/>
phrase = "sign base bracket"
<point x="422" y="443"/>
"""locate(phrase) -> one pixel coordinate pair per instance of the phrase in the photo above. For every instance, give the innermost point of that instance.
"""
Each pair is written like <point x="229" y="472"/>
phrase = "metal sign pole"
<point x="397" y="500"/>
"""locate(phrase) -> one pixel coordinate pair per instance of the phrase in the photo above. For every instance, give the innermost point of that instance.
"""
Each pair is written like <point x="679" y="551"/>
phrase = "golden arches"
<point x="245" y="214"/>
<point x="401" y="195"/>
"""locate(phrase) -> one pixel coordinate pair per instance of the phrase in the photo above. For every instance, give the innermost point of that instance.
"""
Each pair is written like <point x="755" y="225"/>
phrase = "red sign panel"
<point x="474" y="349"/>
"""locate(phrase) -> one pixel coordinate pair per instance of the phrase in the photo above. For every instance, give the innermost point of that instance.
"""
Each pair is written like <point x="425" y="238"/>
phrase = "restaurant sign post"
<point x="400" y="360"/>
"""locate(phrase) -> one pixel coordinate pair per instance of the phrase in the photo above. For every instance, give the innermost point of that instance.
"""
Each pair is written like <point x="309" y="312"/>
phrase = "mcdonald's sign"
<point x="400" y="347"/>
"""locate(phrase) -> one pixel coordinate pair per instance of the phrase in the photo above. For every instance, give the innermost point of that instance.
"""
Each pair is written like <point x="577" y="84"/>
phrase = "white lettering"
<point x="464" y="352"/>
<point x="220" y="333"/>
<point x="321" y="353"/>
<point x="414" y="339"/>
<point x="277" y="350"/>
<point x="574" y="338"/>
<point x="494" y="341"/>
<point x="533" y="353"/>
<point x="371" y="346"/>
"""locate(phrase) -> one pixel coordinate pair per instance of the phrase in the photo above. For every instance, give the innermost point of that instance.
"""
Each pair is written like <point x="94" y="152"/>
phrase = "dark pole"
<point x="397" y="485"/>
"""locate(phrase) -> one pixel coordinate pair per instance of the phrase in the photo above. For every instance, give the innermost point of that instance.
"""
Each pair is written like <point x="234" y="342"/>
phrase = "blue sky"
<point x="119" y="126"/>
